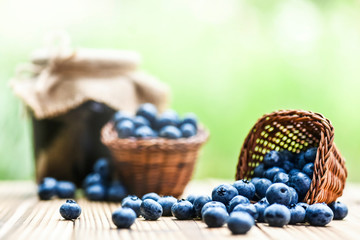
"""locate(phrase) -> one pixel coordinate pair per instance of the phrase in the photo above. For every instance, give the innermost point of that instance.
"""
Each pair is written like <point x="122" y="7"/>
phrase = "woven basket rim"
<point x="109" y="137"/>
<point x="326" y="148"/>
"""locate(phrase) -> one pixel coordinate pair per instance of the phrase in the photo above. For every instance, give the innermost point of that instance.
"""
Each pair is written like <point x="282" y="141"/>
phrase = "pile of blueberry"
<point x="49" y="188"/>
<point x="230" y="203"/>
<point x="294" y="170"/>
<point x="147" y="124"/>
<point x="279" y="183"/>
<point x="99" y="186"/>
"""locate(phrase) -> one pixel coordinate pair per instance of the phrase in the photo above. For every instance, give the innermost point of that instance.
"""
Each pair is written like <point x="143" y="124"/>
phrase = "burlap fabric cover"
<point x="57" y="88"/>
<point x="62" y="81"/>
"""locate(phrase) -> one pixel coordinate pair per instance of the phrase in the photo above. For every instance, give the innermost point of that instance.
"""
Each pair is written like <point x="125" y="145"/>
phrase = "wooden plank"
<point x="23" y="216"/>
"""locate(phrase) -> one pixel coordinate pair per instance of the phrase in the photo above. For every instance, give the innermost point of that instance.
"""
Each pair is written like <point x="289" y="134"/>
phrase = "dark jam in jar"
<point x="66" y="146"/>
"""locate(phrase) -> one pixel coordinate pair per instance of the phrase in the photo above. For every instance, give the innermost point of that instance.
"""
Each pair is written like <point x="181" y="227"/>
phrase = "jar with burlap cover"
<point x="295" y="131"/>
<point x="71" y="94"/>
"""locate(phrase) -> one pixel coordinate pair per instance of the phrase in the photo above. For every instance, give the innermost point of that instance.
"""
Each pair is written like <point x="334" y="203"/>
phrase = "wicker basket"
<point x="164" y="166"/>
<point x="297" y="130"/>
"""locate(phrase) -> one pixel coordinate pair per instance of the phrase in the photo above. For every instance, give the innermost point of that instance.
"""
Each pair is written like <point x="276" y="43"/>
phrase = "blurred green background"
<point x="229" y="61"/>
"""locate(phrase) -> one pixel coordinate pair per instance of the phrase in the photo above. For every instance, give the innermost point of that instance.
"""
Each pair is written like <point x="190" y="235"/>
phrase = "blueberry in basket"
<point x="148" y="123"/>
<point x="167" y="118"/>
<point x="170" y="132"/>
<point x="148" y="111"/>
<point x="125" y="128"/>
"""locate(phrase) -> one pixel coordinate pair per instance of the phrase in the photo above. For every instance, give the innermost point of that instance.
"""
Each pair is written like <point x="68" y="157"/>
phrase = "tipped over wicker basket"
<point x="297" y="130"/>
<point x="160" y="165"/>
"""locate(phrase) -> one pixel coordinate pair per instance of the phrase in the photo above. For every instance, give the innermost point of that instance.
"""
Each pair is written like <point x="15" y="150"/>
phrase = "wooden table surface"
<point x="23" y="216"/>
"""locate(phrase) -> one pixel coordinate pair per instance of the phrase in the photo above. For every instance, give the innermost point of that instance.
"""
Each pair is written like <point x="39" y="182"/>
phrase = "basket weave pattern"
<point x="164" y="166"/>
<point x="297" y="130"/>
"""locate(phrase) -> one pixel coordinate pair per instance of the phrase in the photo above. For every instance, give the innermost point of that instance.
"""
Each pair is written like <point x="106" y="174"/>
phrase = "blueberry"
<point x="272" y="159"/>
<point x="240" y="222"/>
<point x="319" y="214"/>
<point x="127" y="198"/>
<point x="70" y="210"/>
<point x="293" y="171"/>
<point x="294" y="196"/>
<point x="254" y="180"/>
<point x="116" y="192"/>
<point x="47" y="188"/>
<point x="123" y="217"/>
<point x="308" y="169"/>
<point x="303" y="205"/>
<point x="169" y="117"/>
<point x="245" y="188"/>
<point x="287" y="166"/>
<point x="170" y="132"/>
<point x="96" y="192"/>
<point x="152" y="195"/>
<point x="300" y="161"/>
<point x="301" y="183"/>
<point x="92" y="179"/>
<point x="102" y="167"/>
<point x="150" y="209"/>
<point x="246" y="207"/>
<point x="261" y="186"/>
<point x="141" y="121"/>
<point x="237" y="200"/>
<point x="287" y="156"/>
<point x="310" y="155"/>
<point x="120" y="116"/>
<point x="339" y="209"/>
<point x="148" y="111"/>
<point x="281" y="177"/>
<point x="125" y="128"/>
<point x="224" y="193"/>
<point x="278" y="193"/>
<point x="191" y="198"/>
<point x="215" y="217"/>
<point x="166" y="203"/>
<point x="212" y="204"/>
<point x="132" y="202"/>
<point x="259" y="170"/>
<point x="182" y="210"/>
<point x="277" y="215"/>
<point x="199" y="202"/>
<point x="190" y="118"/>
<point x="144" y="132"/>
<point x="297" y="214"/>
<point x="271" y="172"/>
<point x="65" y="189"/>
<point x="188" y="130"/>
<point x="260" y="208"/>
